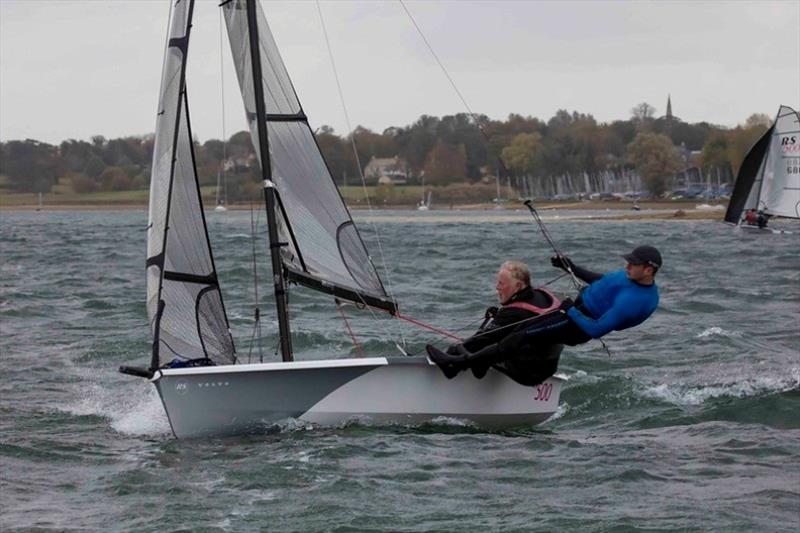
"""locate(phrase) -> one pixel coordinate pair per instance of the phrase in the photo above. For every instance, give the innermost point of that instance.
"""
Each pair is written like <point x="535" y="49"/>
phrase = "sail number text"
<point x="543" y="392"/>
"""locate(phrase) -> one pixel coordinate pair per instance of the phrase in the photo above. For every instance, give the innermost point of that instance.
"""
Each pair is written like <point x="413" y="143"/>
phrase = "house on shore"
<point x="386" y="171"/>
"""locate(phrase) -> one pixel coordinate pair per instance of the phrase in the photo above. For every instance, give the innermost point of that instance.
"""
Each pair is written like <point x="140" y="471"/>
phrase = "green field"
<point x="94" y="199"/>
<point x="352" y="195"/>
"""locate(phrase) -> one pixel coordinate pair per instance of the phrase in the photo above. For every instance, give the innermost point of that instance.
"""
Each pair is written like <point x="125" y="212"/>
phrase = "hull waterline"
<point x="245" y="399"/>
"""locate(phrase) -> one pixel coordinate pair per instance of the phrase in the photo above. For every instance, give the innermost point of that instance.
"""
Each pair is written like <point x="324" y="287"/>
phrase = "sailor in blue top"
<point x="612" y="302"/>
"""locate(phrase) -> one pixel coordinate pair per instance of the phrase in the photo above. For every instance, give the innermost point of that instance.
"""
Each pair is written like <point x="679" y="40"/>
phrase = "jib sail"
<point x="184" y="302"/>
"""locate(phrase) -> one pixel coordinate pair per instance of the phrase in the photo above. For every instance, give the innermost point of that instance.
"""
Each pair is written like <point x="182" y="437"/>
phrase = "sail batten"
<point x="321" y="240"/>
<point x="184" y="301"/>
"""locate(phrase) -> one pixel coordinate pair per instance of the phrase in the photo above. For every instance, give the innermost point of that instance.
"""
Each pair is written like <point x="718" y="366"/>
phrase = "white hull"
<point x="767" y="230"/>
<point x="242" y="399"/>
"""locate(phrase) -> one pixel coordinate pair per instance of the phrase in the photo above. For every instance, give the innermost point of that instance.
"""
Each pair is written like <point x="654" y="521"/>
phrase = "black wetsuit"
<point x="528" y="366"/>
<point x="551" y="328"/>
<point x="613" y="302"/>
<point x="503" y="322"/>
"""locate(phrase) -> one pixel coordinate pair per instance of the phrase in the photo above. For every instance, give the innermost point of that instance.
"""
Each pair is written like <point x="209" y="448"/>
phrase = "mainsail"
<point x="184" y="302"/>
<point x="769" y="178"/>
<point x="320" y="245"/>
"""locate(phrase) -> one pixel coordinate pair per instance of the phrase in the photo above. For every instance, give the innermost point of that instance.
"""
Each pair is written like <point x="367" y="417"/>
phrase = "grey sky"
<point x="73" y="69"/>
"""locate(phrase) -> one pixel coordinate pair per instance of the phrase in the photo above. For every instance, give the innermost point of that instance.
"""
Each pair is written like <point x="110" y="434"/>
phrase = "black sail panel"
<point x="746" y="178"/>
<point x="324" y="248"/>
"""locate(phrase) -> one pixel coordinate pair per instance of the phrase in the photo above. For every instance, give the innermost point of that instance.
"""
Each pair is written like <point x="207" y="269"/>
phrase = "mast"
<point x="270" y="200"/>
<point x="219" y="172"/>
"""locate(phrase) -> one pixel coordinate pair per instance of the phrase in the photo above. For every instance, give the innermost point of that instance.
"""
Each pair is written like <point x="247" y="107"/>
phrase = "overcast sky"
<point x="73" y="69"/>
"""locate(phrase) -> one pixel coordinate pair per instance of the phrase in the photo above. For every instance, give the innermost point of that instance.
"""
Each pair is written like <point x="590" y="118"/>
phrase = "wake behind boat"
<point x="205" y="388"/>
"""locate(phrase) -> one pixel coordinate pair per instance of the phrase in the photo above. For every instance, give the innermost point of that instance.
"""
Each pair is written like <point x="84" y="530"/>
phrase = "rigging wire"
<point x="360" y="172"/>
<point x="441" y="65"/>
<point x="222" y="97"/>
<point x="421" y="324"/>
<point x="454" y="334"/>
<point x="349" y="329"/>
<point x="576" y="283"/>
<point x="472" y="114"/>
<point x="257" y="309"/>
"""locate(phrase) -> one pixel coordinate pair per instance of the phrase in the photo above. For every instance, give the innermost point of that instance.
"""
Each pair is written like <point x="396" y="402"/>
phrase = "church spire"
<point x="669" y="107"/>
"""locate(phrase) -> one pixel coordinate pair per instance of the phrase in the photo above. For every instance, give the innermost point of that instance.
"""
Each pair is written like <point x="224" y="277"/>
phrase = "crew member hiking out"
<point x="519" y="303"/>
<point x="611" y="302"/>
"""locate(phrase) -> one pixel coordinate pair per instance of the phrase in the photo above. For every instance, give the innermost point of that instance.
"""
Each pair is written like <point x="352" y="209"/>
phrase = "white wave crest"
<point x="143" y="416"/>
<point x="583" y="376"/>
<point x="716" y="331"/>
<point x="452" y="422"/>
<point x="561" y="410"/>
<point x="134" y="410"/>
<point x="685" y="394"/>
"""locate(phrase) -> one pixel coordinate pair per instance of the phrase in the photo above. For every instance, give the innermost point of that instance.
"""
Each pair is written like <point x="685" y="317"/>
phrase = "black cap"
<point x="644" y="255"/>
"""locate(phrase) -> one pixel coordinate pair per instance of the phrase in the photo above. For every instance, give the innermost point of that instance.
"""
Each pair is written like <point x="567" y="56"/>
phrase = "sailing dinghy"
<point x="205" y="389"/>
<point x="769" y="178"/>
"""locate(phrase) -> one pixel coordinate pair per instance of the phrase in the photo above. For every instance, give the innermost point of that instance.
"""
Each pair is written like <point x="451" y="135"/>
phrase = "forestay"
<point x="180" y="267"/>
<point x="323" y="249"/>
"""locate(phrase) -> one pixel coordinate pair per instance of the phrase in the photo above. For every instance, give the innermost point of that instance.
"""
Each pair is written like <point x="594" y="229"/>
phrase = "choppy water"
<point x="691" y="424"/>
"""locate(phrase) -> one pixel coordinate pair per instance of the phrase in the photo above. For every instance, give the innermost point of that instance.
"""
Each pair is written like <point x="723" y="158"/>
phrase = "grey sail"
<point x="184" y="302"/>
<point x="324" y="249"/>
<point x="780" y="183"/>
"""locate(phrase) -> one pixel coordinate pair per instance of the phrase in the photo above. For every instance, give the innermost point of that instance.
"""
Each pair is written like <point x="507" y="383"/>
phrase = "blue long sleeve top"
<point x="614" y="303"/>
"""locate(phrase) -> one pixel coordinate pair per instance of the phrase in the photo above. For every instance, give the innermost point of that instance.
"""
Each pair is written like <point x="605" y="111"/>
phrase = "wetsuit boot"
<point x="454" y="363"/>
<point x="450" y="365"/>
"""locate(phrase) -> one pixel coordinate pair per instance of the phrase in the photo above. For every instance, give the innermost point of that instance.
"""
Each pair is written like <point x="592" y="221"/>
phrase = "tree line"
<point x="442" y="151"/>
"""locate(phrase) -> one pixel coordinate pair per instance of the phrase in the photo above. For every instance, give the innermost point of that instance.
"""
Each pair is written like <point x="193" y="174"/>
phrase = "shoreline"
<point x="663" y="210"/>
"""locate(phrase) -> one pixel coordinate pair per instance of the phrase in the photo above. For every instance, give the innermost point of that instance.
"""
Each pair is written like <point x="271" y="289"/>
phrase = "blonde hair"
<point x="518" y="270"/>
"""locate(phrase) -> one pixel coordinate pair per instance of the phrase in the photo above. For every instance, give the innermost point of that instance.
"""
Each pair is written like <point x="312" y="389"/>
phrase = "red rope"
<point x="426" y="326"/>
<point x="349" y="329"/>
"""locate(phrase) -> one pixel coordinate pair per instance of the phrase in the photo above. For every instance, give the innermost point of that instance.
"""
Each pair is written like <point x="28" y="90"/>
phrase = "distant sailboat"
<point x="708" y="193"/>
<point x="425" y="205"/>
<point x="313" y="241"/>
<point x="222" y="200"/>
<point x="498" y="200"/>
<point x="769" y="178"/>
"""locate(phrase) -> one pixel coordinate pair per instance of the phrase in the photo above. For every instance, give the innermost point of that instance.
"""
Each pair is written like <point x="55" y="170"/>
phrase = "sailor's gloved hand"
<point x="491" y="312"/>
<point x="561" y="261"/>
<point x="566" y="304"/>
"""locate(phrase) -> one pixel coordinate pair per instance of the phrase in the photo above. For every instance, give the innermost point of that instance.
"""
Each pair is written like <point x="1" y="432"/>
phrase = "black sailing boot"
<point x="479" y="370"/>
<point x="450" y="365"/>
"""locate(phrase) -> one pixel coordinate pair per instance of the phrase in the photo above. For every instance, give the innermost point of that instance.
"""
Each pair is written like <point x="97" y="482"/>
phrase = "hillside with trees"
<point x="568" y="148"/>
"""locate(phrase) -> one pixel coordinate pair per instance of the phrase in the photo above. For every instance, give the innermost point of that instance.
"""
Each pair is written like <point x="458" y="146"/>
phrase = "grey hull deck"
<point x="243" y="399"/>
